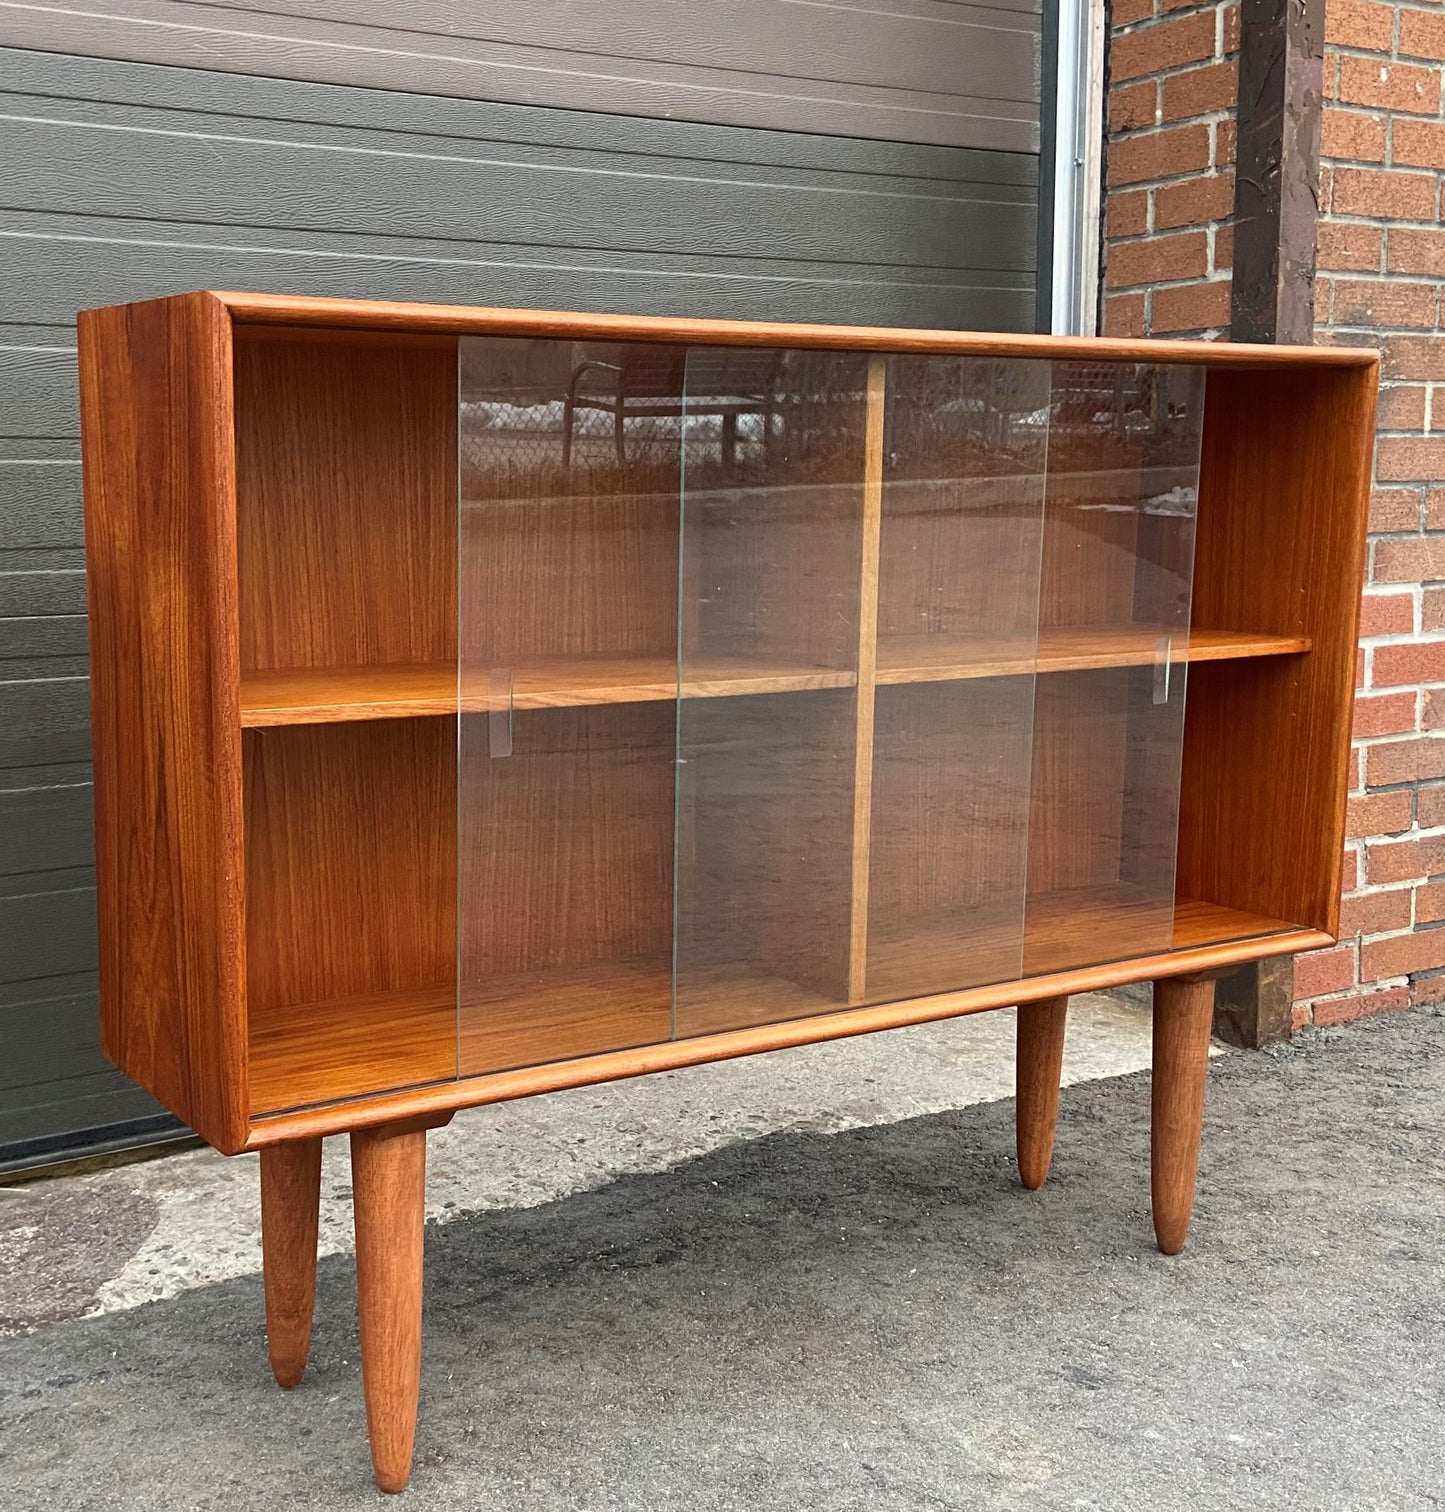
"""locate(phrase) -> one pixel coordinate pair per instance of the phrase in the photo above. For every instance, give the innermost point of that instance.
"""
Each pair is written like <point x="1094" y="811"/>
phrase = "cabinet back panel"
<point x="350" y="860"/>
<point x="1284" y="492"/>
<point x="567" y="842"/>
<point x="569" y="532"/>
<point x="346" y="500"/>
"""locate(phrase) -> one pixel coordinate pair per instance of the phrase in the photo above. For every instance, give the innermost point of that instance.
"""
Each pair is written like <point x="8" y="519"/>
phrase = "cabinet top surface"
<point x="383" y="315"/>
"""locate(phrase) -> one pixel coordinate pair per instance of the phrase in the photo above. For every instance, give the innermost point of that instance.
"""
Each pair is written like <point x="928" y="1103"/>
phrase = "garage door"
<point x="758" y="159"/>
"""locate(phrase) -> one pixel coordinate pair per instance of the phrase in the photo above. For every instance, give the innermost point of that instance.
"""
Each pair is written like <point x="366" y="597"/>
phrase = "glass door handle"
<point x="499" y="712"/>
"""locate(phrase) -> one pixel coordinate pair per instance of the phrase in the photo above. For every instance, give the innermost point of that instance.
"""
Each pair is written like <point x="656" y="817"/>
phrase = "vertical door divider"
<point x="867" y="678"/>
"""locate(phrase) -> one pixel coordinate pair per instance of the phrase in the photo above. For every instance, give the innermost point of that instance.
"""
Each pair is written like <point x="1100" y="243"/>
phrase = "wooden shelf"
<point x="940" y="658"/>
<point x="316" y="1053"/>
<point x="330" y="695"/>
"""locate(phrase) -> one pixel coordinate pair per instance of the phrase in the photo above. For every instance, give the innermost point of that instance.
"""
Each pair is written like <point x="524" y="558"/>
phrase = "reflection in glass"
<point x="567" y="635"/>
<point x="962" y="521"/>
<point x="768" y="615"/>
<point x="1124" y="445"/>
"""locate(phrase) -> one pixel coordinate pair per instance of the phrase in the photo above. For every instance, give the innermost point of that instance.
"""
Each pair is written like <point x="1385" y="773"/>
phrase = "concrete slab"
<point x="79" y="1246"/>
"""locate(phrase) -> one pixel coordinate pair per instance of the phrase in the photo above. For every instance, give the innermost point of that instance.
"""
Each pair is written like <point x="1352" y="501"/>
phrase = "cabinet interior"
<point x="676" y="727"/>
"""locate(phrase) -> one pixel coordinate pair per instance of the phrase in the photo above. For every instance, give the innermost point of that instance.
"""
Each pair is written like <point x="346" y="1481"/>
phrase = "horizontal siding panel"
<point x="45" y="828"/>
<point x="48" y="931"/>
<point x="467" y="195"/>
<point x="926" y="71"/>
<point x="46" y="1025"/>
<point x="43" y="721"/>
<point x="39" y="501"/>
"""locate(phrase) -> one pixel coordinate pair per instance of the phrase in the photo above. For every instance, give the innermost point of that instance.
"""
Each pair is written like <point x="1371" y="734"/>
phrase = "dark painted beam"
<point x="1277" y="176"/>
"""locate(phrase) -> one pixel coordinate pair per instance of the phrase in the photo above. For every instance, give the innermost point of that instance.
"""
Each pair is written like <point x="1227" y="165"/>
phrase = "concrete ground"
<point x="803" y="1281"/>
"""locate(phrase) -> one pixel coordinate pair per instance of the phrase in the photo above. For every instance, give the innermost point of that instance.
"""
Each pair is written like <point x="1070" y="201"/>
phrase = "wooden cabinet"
<point x="489" y="702"/>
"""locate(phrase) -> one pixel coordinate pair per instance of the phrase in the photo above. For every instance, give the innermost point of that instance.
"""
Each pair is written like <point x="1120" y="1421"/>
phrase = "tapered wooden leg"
<point x="1038" y="1064"/>
<point x="388" y="1167"/>
<point x="1183" y="1013"/>
<point x="290" y="1208"/>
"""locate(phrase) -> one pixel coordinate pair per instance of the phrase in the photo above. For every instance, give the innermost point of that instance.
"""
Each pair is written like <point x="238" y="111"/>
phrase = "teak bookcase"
<point x="487" y="702"/>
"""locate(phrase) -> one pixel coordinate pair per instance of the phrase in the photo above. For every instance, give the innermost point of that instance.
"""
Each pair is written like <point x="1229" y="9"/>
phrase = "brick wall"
<point x="1381" y="259"/>
<point x="1170" y="166"/>
<point x="1381" y="263"/>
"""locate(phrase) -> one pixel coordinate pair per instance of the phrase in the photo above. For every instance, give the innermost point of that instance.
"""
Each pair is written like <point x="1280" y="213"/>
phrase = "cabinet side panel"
<point x="1284" y="494"/>
<point x="160" y="549"/>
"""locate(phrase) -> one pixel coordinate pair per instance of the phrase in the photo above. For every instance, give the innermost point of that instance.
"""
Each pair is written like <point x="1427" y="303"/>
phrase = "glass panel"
<point x="963" y="497"/>
<point x="567" y="632"/>
<point x="1123" y="477"/>
<point x="769" y="714"/>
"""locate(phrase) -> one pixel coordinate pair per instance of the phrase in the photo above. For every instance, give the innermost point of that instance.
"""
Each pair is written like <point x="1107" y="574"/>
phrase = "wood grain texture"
<point x="350" y="841"/>
<point x="933" y="658"/>
<point x="1183" y="1013"/>
<point x="338" y="695"/>
<point x="290" y="1214"/>
<point x="161" y="589"/>
<point x="734" y="1011"/>
<point x="866" y="699"/>
<point x="388" y="1180"/>
<point x="1282" y="520"/>
<point x="1039" y="1061"/>
<point x="346" y="502"/>
<point x="282" y="309"/>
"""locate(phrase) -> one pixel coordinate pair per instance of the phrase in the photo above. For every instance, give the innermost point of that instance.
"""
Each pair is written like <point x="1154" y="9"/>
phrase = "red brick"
<point x="1387" y="614"/>
<point x="1395" y="761"/>
<point x="1224" y="142"/>
<point x="1394" y="509"/>
<point x="1127" y="12"/>
<point x="1404" y="860"/>
<point x="1392" y="714"/>
<point x="1432" y="609"/>
<point x="1301" y="1017"/>
<point x="1413" y="357"/>
<point x="1133" y="105"/>
<point x="1369" y="814"/>
<point x="1124" y="315"/>
<point x="1358" y="24"/>
<point x="1422" y="34"/>
<point x="1430" y="805"/>
<point x="1127" y="213"/>
<point x="1224" y="249"/>
<point x="1419" y="144"/>
<point x="1428" y="988"/>
<point x="1349" y="870"/>
<point x="1435" y="504"/>
<point x="1160" y="259"/>
<point x="1200" y="91"/>
<point x="1402" y="457"/>
<point x="1430" y="903"/>
<point x="1342" y="247"/>
<point x="1359" y="669"/>
<point x="1163" y="44"/>
<point x="1231" y="29"/>
<point x="1324" y="971"/>
<point x="1400" y="955"/>
<point x="1352" y="134"/>
<point x="1359" y="1005"/>
<point x="1159" y="154"/>
<point x="1412" y="250"/>
<point x="1408" y="662"/>
<point x="1402" y="407"/>
<point x="1421" y="559"/>
<point x="1386" y="193"/>
<point x="1383" y="302"/>
<point x="1432" y="709"/>
<point x="1374" y="913"/>
<point x="1383" y="85"/>
<point x="1194" y="201"/>
<point x="1195" y="307"/>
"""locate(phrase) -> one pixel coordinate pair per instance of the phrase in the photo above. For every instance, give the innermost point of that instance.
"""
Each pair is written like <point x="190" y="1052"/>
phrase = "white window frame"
<point x="1078" y="167"/>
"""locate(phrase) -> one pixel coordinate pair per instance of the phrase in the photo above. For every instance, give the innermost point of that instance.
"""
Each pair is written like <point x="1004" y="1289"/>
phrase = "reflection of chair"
<point x="650" y="385"/>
